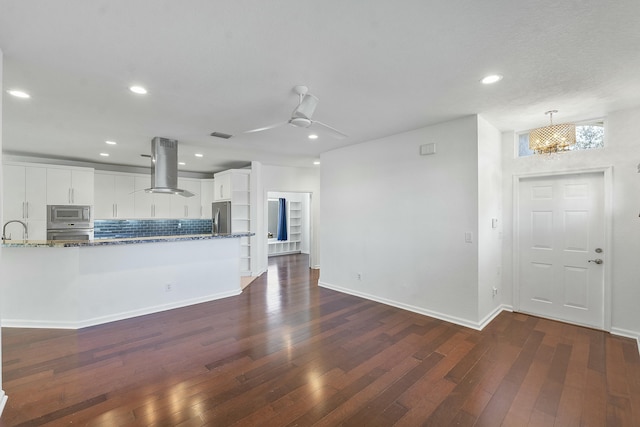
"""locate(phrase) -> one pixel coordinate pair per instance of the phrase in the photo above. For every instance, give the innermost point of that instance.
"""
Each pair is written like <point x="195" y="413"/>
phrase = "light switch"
<point x="468" y="237"/>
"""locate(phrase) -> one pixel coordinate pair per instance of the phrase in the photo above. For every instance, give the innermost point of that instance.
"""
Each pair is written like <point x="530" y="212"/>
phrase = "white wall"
<point x="3" y="398"/>
<point x="286" y="179"/>
<point x="489" y="208"/>
<point x="622" y="152"/>
<point x="400" y="219"/>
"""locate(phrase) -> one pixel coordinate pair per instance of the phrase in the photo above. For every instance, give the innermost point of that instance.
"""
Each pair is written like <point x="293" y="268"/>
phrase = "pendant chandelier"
<point x="552" y="138"/>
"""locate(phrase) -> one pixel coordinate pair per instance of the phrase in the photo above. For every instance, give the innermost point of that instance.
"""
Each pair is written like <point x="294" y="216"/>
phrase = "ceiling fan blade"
<point x="335" y="132"/>
<point x="265" y="128"/>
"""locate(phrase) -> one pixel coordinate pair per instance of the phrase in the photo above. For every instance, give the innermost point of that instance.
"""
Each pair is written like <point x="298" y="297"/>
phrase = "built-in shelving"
<point x="294" y="242"/>
<point x="235" y="184"/>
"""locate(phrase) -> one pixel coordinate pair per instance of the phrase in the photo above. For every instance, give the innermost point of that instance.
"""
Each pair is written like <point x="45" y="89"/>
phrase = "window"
<point x="588" y="136"/>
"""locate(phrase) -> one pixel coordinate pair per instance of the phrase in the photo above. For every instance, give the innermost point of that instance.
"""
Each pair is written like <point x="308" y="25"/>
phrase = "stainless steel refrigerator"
<point x="221" y="212"/>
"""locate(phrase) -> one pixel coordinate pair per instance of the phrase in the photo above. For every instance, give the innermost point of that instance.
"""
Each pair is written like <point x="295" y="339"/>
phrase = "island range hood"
<point x="164" y="168"/>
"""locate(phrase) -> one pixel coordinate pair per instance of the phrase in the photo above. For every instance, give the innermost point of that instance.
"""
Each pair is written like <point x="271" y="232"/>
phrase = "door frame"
<point x="607" y="176"/>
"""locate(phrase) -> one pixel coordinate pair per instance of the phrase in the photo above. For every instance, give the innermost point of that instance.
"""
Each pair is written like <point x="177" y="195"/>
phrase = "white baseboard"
<point x="442" y="316"/>
<point x="489" y="317"/>
<point x="56" y="324"/>
<point x="628" y="334"/>
<point x="3" y="401"/>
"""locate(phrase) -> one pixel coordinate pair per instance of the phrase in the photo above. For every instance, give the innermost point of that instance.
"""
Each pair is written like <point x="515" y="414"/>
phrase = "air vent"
<point x="221" y="135"/>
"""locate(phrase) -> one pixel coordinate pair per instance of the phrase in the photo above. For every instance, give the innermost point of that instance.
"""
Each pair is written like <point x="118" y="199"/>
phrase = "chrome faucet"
<point x="4" y="230"/>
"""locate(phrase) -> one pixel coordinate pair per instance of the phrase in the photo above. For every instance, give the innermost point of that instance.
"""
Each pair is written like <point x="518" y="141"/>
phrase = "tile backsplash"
<point x="125" y="228"/>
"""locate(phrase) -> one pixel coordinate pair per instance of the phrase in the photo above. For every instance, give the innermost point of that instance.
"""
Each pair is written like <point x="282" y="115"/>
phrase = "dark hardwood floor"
<point x="287" y="353"/>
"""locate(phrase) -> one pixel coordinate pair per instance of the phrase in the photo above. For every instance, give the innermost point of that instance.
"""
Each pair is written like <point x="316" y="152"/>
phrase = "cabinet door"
<point x="13" y="192"/>
<point x="162" y="205"/>
<point x="82" y="187"/>
<point x="206" y="197"/>
<point x="192" y="204"/>
<point x="37" y="230"/>
<point x="35" y="194"/>
<point x="104" y="196"/>
<point x="124" y="187"/>
<point x="58" y="187"/>
<point x="143" y="201"/>
<point x="222" y="189"/>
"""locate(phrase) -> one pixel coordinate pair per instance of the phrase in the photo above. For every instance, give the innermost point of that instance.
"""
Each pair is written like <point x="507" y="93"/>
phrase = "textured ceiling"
<point x="378" y="68"/>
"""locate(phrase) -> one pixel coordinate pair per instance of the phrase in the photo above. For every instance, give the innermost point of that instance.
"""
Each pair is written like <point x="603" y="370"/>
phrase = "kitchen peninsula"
<point x="72" y="285"/>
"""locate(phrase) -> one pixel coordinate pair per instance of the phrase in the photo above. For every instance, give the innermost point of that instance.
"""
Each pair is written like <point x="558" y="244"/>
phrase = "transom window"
<point x="588" y="136"/>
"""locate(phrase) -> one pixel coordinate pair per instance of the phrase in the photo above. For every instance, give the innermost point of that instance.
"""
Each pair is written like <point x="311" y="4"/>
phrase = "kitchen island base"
<point x="76" y="287"/>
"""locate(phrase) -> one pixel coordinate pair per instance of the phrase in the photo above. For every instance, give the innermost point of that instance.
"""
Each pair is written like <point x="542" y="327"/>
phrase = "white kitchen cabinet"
<point x="69" y="186"/>
<point x="206" y="197"/>
<point x="186" y="207"/>
<point x="222" y="186"/>
<point x="114" y="195"/>
<point x="148" y="205"/>
<point x="25" y="199"/>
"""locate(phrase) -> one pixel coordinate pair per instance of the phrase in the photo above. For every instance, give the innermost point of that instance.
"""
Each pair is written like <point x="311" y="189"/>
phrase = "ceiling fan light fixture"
<point x="300" y="122"/>
<point x="552" y="138"/>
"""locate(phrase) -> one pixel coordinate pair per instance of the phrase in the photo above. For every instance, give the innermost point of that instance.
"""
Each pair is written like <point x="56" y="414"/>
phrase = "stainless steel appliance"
<point x="69" y="222"/>
<point x="221" y="221"/>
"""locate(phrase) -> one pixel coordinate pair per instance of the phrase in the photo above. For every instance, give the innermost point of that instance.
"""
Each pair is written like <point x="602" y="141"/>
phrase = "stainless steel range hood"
<point x="164" y="168"/>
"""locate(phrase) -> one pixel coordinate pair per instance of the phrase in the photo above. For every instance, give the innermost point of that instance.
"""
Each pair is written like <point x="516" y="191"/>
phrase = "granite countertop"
<point x="111" y="242"/>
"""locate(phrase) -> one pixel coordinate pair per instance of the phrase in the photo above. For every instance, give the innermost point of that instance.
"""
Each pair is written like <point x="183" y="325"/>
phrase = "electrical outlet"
<point x="494" y="291"/>
<point x="168" y="287"/>
<point x="359" y="276"/>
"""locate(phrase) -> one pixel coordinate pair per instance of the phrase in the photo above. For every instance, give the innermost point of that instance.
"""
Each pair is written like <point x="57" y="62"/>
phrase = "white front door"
<point x="561" y="240"/>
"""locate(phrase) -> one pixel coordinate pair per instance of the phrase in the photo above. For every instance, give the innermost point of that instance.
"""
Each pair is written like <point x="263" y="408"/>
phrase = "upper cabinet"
<point x="114" y="195"/>
<point x="222" y="186"/>
<point x="186" y="207"/>
<point x="149" y="205"/>
<point x="25" y="199"/>
<point x="206" y="197"/>
<point x="69" y="186"/>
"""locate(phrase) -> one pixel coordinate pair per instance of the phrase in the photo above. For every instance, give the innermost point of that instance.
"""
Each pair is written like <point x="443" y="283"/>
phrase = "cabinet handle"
<point x="23" y="213"/>
<point x="27" y="209"/>
<point x="73" y="195"/>
<point x="153" y="210"/>
<point x="69" y="196"/>
<point x="221" y="192"/>
<point x="116" y="205"/>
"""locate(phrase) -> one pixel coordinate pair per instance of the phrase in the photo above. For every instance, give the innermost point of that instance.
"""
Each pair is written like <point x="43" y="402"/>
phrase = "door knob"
<point x="597" y="261"/>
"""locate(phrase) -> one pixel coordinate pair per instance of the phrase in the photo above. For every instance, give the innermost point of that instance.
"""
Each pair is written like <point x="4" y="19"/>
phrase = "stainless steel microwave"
<point x="69" y="216"/>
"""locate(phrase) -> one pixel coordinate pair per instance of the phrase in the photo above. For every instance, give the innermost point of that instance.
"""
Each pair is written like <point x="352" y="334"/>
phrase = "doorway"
<point x="294" y="236"/>
<point x="561" y="248"/>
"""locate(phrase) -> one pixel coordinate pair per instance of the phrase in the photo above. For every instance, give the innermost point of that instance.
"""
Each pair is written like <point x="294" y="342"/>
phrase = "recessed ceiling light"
<point x="182" y="163"/>
<point x="18" y="93"/>
<point x="199" y="155"/>
<point x="313" y="136"/>
<point x="111" y="142"/>
<point x="138" y="89"/>
<point x="494" y="78"/>
<point x="104" y="154"/>
<point x="317" y="162"/>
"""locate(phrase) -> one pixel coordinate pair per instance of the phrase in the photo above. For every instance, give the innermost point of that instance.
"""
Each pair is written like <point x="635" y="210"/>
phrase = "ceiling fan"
<point x="301" y="115"/>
